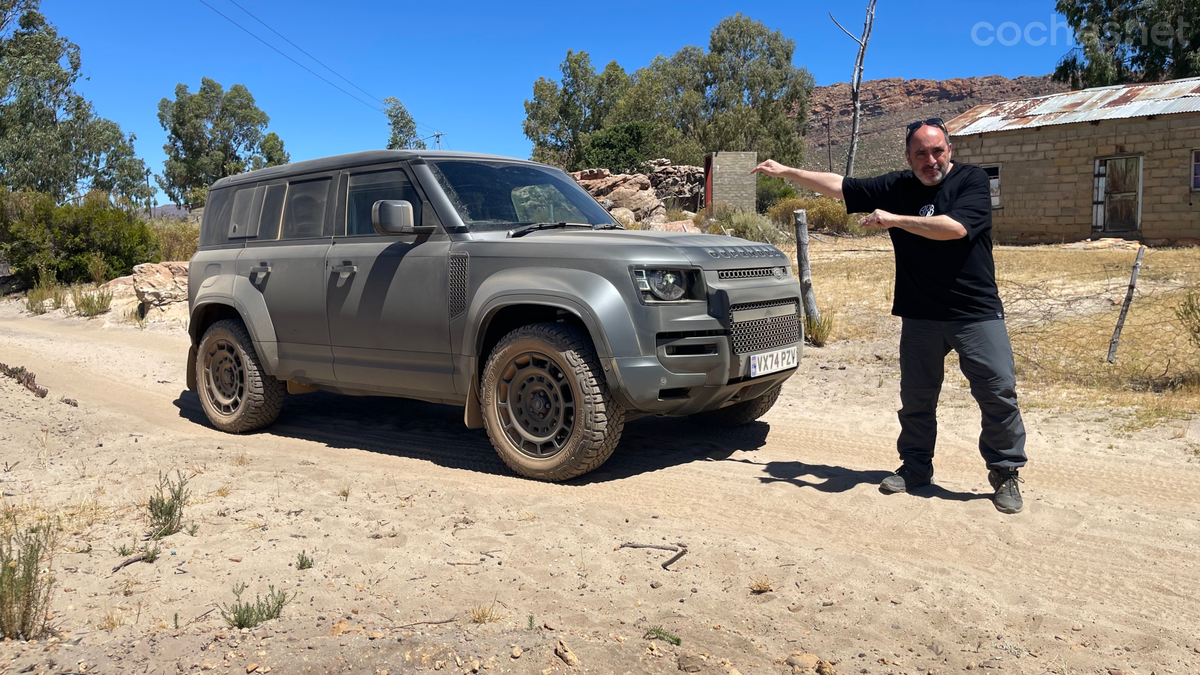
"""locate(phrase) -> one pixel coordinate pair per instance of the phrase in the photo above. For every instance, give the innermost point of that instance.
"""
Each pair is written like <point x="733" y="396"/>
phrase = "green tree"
<point x="51" y="140"/>
<point x="743" y="94"/>
<point x="1123" y="41"/>
<point x="402" y="125"/>
<point x="212" y="134"/>
<point x="621" y="148"/>
<point x="561" y="114"/>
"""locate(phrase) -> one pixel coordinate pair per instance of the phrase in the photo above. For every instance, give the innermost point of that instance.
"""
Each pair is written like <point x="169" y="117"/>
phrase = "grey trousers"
<point x="985" y="358"/>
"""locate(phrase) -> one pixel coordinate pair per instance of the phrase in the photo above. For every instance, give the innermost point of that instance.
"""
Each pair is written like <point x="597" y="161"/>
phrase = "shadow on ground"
<point x="833" y="479"/>
<point x="435" y="433"/>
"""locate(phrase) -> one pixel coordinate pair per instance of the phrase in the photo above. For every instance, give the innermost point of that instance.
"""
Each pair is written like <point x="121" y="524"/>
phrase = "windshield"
<point x="496" y="195"/>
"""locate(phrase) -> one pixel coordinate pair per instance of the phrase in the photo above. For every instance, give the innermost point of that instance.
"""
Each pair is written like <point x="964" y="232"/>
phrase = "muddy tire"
<point x="236" y="393"/>
<point x="545" y="403"/>
<point x="742" y="413"/>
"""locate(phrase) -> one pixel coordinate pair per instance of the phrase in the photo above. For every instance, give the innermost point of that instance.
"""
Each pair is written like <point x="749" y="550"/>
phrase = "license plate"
<point x="772" y="362"/>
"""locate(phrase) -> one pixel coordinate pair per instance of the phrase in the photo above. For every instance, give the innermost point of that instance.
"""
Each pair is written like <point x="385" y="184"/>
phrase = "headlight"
<point x="665" y="285"/>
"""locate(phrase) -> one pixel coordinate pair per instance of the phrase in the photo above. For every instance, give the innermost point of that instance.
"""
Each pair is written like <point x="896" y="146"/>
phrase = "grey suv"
<point x="491" y="283"/>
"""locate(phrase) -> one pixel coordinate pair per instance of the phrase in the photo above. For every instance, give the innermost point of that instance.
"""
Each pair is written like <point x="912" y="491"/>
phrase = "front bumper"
<point x="702" y="350"/>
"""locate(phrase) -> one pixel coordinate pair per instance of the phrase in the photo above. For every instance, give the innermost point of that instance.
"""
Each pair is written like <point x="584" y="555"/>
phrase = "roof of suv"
<point x="348" y="160"/>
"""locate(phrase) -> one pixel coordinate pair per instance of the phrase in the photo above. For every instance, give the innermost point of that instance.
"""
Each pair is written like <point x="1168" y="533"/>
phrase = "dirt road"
<point x="411" y="518"/>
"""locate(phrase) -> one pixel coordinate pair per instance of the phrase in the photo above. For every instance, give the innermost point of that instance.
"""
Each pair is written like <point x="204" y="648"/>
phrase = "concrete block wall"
<point x="732" y="181"/>
<point x="1046" y="176"/>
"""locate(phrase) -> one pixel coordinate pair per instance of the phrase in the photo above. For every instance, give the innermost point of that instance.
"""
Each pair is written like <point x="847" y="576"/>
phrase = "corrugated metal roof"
<point x="1088" y="105"/>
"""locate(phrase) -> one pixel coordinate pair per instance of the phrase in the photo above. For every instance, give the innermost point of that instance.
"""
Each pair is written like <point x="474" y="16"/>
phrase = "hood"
<point x="708" y="251"/>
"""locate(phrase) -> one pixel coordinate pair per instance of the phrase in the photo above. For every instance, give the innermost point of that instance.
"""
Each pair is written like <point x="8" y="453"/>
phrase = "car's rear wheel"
<point x="236" y="393"/>
<point x="741" y="413"/>
<point x="545" y="403"/>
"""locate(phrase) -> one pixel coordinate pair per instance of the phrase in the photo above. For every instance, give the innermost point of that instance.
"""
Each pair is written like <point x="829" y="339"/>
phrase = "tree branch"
<point x="835" y="22"/>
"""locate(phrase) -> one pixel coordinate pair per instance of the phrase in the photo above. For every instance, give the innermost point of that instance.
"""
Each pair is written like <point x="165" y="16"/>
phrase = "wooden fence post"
<point x="1116" y="338"/>
<point x="803" y="268"/>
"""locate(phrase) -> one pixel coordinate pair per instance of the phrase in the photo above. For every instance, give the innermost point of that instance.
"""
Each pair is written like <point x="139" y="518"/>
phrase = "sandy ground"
<point x="412" y="518"/>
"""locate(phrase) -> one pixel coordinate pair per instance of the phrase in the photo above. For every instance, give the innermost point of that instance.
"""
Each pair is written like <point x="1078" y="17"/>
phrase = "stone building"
<point x="727" y="178"/>
<point x="1120" y="161"/>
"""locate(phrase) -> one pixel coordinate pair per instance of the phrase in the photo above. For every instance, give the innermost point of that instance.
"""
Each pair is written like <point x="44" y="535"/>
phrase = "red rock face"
<point x="880" y="97"/>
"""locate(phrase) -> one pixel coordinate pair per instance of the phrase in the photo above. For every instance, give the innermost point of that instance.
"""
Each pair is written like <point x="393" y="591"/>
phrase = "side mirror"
<point x="393" y="216"/>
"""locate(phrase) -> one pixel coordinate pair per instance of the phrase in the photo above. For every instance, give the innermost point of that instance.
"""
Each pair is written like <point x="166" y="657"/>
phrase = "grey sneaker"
<point x="905" y="479"/>
<point x="1008" y="494"/>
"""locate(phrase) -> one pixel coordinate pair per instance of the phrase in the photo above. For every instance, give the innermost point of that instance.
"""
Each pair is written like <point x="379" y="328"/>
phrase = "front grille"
<point x="755" y="273"/>
<point x="761" y="334"/>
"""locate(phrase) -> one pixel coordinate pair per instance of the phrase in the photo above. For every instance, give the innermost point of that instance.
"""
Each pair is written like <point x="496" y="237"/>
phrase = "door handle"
<point x="345" y="269"/>
<point x="261" y="269"/>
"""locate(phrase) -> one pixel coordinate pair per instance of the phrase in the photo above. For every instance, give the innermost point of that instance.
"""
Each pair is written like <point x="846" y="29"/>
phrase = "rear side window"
<point x="214" y="227"/>
<point x="367" y="188"/>
<point x="304" y="209"/>
<point x="247" y="205"/>
<point x="272" y="212"/>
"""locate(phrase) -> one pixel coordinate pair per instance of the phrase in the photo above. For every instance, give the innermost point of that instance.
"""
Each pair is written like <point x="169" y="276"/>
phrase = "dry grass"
<point x="760" y="585"/>
<point x="113" y="619"/>
<point x="1062" y="305"/>
<point x="177" y="239"/>
<point x="485" y="614"/>
<point x="344" y="492"/>
<point x="240" y="459"/>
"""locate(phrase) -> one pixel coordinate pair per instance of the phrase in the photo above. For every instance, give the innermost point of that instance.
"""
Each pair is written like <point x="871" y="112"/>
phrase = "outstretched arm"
<point x="828" y="184"/>
<point x="938" y="228"/>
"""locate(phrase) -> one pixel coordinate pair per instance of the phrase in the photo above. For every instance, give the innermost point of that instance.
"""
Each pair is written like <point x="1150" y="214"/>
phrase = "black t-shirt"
<point x="937" y="280"/>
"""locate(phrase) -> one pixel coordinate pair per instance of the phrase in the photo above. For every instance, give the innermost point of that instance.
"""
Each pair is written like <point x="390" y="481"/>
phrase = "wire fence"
<point x="1062" y="322"/>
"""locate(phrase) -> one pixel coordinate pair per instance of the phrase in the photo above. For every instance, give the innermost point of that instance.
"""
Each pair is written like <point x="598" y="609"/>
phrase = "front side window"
<point x="364" y="189"/>
<point x="497" y="195"/>
<point x="304" y="209"/>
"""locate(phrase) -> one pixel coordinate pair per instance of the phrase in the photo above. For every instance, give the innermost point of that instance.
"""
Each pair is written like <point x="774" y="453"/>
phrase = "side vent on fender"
<point x="458" y="284"/>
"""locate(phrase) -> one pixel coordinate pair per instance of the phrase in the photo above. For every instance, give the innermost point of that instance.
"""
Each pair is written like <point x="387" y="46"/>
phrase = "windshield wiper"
<point x="534" y="227"/>
<point x="608" y="226"/>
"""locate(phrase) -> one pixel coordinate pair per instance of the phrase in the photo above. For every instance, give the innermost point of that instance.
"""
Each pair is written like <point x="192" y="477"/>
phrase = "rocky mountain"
<point x="889" y="105"/>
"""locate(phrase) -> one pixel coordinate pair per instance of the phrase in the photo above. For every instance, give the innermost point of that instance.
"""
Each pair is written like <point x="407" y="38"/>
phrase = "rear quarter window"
<point x="218" y="209"/>
<point x="304" y="209"/>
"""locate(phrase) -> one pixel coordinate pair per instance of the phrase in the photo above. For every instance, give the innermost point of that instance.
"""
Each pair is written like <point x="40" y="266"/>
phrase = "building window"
<point x="1196" y="169"/>
<point x="993" y="172"/>
<point x="1117" y="194"/>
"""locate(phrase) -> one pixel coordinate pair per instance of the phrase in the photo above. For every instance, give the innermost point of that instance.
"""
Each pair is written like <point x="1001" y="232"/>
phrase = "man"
<point x="940" y="221"/>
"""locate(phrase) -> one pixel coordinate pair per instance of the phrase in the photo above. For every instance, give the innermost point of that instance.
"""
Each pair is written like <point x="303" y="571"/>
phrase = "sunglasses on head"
<point x="932" y="121"/>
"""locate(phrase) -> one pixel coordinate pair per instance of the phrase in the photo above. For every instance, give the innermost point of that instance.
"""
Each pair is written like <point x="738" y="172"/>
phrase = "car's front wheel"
<point x="546" y="405"/>
<point x="236" y="393"/>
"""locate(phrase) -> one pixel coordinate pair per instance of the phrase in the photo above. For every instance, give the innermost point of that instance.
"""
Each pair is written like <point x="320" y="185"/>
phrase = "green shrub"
<point x="249" y="614"/>
<point x="1188" y="314"/>
<point x="769" y="191"/>
<point x="781" y="212"/>
<point x="824" y="213"/>
<point x="177" y="239"/>
<point x="304" y="561"/>
<point x="26" y="582"/>
<point x="97" y="268"/>
<point x="91" y="303"/>
<point x="166" y="507"/>
<point x="41" y="239"/>
<point x="817" y="332"/>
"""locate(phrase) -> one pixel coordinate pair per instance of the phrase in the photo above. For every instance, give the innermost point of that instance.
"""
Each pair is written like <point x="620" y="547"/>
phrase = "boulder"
<point x="649" y="194"/>
<point x="158" y="284"/>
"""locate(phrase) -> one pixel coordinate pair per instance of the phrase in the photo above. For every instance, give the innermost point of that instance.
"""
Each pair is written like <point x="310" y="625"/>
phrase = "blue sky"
<point x="465" y="68"/>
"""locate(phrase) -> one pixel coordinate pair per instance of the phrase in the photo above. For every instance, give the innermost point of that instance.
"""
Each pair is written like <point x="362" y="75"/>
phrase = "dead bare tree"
<point x="856" y="83"/>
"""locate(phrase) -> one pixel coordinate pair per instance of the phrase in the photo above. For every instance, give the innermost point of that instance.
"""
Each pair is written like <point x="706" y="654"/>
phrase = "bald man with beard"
<point x="939" y="216"/>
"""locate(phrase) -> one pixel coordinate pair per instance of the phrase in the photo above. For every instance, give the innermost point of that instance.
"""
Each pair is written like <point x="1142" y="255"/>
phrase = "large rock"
<point x="158" y="284"/>
<point x="646" y="195"/>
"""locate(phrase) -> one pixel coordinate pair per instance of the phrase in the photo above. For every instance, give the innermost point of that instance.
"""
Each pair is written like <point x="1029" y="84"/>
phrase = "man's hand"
<point x="771" y="168"/>
<point x="828" y="184"/>
<point x="879" y="219"/>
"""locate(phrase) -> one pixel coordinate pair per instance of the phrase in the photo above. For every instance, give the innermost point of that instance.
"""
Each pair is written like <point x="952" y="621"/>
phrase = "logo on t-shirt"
<point x="927" y="210"/>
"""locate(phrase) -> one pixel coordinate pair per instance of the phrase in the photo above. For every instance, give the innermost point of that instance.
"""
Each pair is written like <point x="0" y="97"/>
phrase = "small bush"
<point x="26" y="583"/>
<point x="816" y="333"/>
<point x="91" y="303"/>
<point x="24" y="378"/>
<point x="674" y="215"/>
<point x="485" y="614"/>
<point x="660" y="633"/>
<point x="303" y="562"/>
<point x="166" y="507"/>
<point x="97" y="268"/>
<point x="760" y="585"/>
<point x="1188" y="313"/>
<point x="781" y="212"/>
<point x="177" y="239"/>
<point x="770" y="191"/>
<point x="824" y="213"/>
<point x="249" y="614"/>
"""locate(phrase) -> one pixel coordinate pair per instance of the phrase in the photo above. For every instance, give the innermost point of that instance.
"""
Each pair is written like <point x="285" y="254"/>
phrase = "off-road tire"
<point x="741" y="413"/>
<point x="513" y="367"/>
<point x="238" y="396"/>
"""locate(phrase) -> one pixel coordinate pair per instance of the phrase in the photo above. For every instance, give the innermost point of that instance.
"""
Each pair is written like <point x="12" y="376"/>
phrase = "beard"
<point x="937" y="177"/>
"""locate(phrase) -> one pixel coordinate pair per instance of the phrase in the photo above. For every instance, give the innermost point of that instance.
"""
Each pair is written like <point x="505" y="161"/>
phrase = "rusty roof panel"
<point x="1088" y="105"/>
